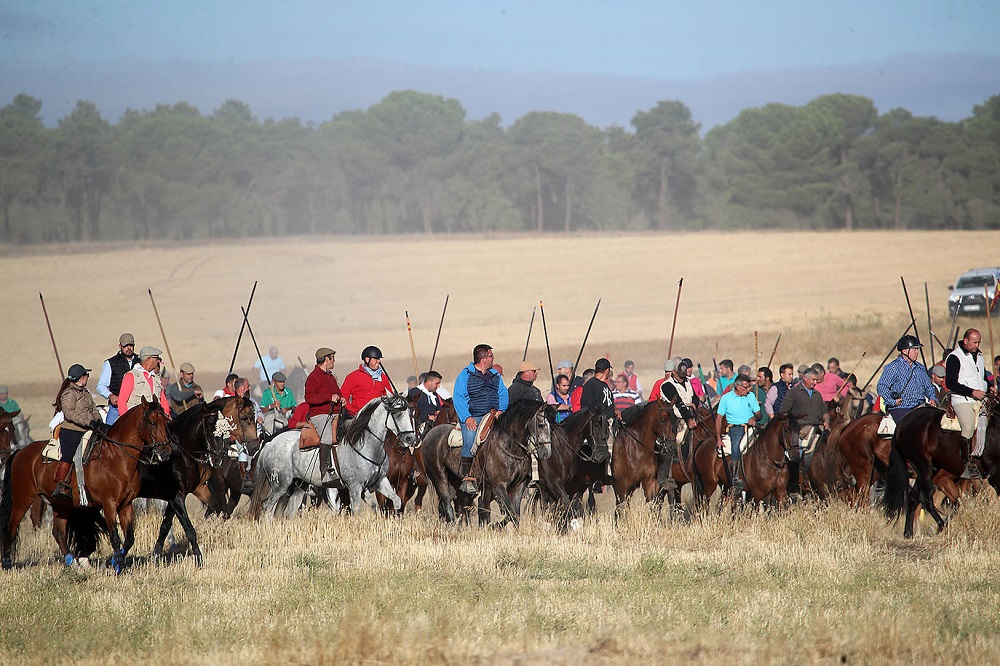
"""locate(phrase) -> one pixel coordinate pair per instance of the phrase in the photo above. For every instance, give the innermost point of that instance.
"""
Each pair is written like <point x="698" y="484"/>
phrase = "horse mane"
<point x="631" y="414"/>
<point x="357" y="426"/>
<point x="518" y="413"/>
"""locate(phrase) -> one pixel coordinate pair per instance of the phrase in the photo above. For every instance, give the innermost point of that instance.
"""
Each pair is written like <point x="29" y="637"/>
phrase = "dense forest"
<point x="413" y="163"/>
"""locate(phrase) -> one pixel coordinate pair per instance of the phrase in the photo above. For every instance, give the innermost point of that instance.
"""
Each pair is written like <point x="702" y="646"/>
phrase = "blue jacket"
<point x="482" y="401"/>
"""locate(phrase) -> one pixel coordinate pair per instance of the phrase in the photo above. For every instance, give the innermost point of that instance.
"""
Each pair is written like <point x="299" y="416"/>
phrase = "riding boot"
<point x="665" y="474"/>
<point x="972" y="467"/>
<point x="468" y="481"/>
<point x="324" y="462"/>
<point x="738" y="485"/>
<point x="63" y="492"/>
<point x="794" y="492"/>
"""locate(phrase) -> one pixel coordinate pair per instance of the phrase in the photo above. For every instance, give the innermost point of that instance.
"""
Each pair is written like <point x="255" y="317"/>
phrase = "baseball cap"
<point x="126" y="339"/>
<point x="527" y="365"/>
<point x="602" y="364"/>
<point x="76" y="371"/>
<point x="187" y="367"/>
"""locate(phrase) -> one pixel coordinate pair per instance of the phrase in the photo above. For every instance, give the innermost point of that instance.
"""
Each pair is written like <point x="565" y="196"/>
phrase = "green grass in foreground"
<point x="815" y="583"/>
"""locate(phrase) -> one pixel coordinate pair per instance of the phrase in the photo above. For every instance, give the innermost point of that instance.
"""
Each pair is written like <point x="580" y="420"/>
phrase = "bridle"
<point x="394" y="406"/>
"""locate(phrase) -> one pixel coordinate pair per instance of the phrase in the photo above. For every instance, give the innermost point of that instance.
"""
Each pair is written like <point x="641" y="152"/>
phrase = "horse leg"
<point x="386" y="489"/>
<point x="165" y="525"/>
<point x="506" y="506"/>
<point x="485" y="505"/>
<point x="59" y="523"/>
<point x="111" y="522"/>
<point x="178" y="507"/>
<point x="294" y="501"/>
<point x="126" y="518"/>
<point x="37" y="512"/>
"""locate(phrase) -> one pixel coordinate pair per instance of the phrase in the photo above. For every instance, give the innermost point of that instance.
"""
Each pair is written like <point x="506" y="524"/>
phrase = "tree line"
<point x="413" y="163"/>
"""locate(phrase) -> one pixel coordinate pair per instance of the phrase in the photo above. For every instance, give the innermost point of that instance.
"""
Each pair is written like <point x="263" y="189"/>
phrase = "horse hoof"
<point x="575" y="525"/>
<point x="7" y="565"/>
<point x="68" y="559"/>
<point x="199" y="561"/>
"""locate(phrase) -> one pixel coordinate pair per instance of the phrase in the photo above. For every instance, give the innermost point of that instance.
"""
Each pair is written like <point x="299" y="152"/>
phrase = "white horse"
<point x="282" y="469"/>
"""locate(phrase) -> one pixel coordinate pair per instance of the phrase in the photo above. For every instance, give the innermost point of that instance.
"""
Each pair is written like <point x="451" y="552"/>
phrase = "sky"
<point x="664" y="39"/>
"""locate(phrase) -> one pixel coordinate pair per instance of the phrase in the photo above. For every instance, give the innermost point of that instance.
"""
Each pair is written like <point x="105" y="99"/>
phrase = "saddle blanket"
<point x="950" y="423"/>
<point x="482" y="433"/>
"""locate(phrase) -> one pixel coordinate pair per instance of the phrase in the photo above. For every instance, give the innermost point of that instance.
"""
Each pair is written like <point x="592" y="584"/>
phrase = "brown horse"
<point x="8" y="437"/>
<point x="920" y="443"/>
<point x="765" y="464"/>
<point x="645" y="430"/>
<point x="112" y="482"/>
<point x="225" y="483"/>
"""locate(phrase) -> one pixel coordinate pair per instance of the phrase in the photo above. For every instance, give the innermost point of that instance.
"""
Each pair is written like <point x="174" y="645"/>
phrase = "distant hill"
<point x="314" y="90"/>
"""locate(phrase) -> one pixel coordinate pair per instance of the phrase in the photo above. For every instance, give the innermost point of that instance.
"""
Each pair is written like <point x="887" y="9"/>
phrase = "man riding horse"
<point x="478" y="390"/>
<point x="805" y="406"/>
<point x="965" y="377"/>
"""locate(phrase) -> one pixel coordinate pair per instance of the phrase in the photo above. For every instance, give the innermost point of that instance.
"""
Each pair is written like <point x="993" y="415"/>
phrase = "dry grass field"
<point x="815" y="583"/>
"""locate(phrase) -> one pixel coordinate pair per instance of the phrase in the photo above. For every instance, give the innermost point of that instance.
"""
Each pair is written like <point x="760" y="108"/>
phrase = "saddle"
<point x="949" y="420"/>
<point x="887" y="427"/>
<point x="53" y="452"/>
<point x="482" y="433"/>
<point x="308" y="437"/>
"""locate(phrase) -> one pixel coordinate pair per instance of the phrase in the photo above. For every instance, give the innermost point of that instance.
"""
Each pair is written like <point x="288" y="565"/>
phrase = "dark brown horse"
<point x="225" y="483"/>
<point x="571" y="469"/>
<point x="765" y="464"/>
<point x="921" y="444"/>
<point x="8" y="437"/>
<point x="645" y="430"/>
<point x="503" y="467"/>
<point x="197" y="451"/>
<point x="111" y="480"/>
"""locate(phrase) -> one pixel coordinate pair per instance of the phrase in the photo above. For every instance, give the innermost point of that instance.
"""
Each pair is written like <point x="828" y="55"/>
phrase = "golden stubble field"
<point x="815" y="583"/>
<point x="829" y="294"/>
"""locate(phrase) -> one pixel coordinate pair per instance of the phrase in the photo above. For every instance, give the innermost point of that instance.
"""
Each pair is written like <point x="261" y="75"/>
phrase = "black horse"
<point x="200" y="437"/>
<point x="503" y="462"/>
<point x="920" y="442"/>
<point x="571" y="469"/>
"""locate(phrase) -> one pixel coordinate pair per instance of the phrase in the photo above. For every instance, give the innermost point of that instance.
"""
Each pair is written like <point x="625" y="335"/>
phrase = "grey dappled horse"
<point x="282" y="469"/>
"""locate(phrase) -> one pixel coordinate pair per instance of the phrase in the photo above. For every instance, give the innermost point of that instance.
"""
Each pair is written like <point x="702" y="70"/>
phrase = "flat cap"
<point x="322" y="353"/>
<point x="146" y="352"/>
<point x="187" y="367"/>
<point x="278" y="377"/>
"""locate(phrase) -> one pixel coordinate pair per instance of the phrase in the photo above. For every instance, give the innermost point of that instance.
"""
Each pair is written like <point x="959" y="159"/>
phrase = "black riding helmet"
<point x="371" y="351"/>
<point x="908" y="342"/>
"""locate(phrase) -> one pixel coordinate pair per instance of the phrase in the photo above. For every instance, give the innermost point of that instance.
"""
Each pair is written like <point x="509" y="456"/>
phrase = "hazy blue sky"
<point x="663" y="39"/>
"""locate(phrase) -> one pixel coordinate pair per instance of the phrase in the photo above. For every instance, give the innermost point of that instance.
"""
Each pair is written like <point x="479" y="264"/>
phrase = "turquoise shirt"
<point x="286" y="400"/>
<point x="10" y="406"/>
<point x="737" y="410"/>
<point x="725" y="383"/>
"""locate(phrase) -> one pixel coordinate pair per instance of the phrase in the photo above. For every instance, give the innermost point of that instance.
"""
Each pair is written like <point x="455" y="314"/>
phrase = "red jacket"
<point x="359" y="389"/>
<point x="319" y="391"/>
<point x="574" y="398"/>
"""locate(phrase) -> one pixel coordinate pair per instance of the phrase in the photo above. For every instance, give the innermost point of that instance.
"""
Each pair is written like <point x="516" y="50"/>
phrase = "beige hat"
<point x="146" y="352"/>
<point x="527" y="365"/>
<point x="322" y="353"/>
<point x="188" y="368"/>
<point x="126" y="339"/>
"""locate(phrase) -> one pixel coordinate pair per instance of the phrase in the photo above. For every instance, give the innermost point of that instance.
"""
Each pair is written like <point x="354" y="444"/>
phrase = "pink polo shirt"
<point x="829" y="386"/>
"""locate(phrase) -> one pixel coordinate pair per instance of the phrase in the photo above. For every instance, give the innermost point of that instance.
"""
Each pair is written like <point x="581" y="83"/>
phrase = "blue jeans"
<point x="736" y="434"/>
<point x="469" y="437"/>
<point x="112" y="414"/>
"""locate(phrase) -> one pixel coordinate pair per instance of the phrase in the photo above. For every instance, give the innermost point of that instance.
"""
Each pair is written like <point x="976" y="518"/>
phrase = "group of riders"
<point x="742" y="404"/>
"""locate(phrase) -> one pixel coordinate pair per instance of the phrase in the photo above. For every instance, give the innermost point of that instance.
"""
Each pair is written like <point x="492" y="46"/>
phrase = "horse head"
<point x="664" y="424"/>
<point x="399" y="419"/>
<point x="786" y="436"/>
<point x="153" y="431"/>
<point x="228" y="421"/>
<point x="539" y="430"/>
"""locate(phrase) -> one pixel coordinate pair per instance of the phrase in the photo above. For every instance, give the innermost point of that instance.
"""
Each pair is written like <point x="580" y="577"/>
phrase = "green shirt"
<point x="286" y="399"/>
<point x="10" y="406"/>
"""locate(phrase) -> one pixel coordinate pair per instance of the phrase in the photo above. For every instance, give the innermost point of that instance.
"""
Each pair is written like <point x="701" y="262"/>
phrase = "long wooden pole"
<point x="774" y="351"/>
<point x="166" y="344"/>
<point x="913" y="319"/>
<point x="886" y="358"/>
<point x="246" y="322"/>
<point x="548" y="350"/>
<point x="528" y="341"/>
<point x="989" y="325"/>
<point x="413" y="350"/>
<point x="853" y="370"/>
<point x="51" y="337"/>
<point x="930" y="326"/>
<point x="438" y="338"/>
<point x="587" y="335"/>
<point x="240" y="337"/>
<point x="756" y="353"/>
<point x="673" y="326"/>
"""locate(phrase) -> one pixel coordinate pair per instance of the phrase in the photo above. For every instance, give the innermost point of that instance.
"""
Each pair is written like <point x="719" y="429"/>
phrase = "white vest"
<point x="969" y="374"/>
<point x="141" y="388"/>
<point x="685" y="391"/>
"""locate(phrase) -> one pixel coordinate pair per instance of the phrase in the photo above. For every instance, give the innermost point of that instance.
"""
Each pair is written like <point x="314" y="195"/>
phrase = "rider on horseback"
<point x="677" y="389"/>
<point x="805" y="405"/>
<point x="366" y="383"/>
<point x="965" y="377"/>
<point x="741" y="410"/>
<point x="322" y="394"/>
<point x="905" y="384"/>
<point x="478" y="389"/>
<point x="79" y="413"/>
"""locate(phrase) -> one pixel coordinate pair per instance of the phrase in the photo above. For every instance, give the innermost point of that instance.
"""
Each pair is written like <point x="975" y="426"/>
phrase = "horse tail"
<point x="7" y="508"/>
<point x="261" y="490"/>
<point x="698" y="485"/>
<point x="83" y="528"/>
<point x="897" y="483"/>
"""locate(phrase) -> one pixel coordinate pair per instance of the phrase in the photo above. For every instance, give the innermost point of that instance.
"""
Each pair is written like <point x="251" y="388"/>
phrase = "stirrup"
<point x="63" y="492"/>
<point x="469" y="486"/>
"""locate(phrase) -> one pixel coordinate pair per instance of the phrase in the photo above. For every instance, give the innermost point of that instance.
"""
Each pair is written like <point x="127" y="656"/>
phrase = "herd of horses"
<point x="383" y="459"/>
